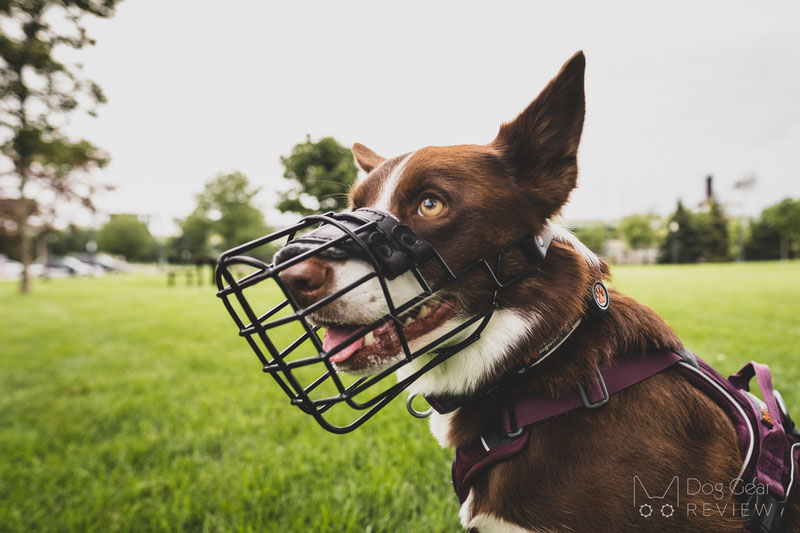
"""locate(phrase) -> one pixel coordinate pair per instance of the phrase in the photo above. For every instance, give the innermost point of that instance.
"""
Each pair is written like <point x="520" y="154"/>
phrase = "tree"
<point x="70" y="240"/>
<point x="224" y="208"/>
<point x="682" y="244"/>
<point x="763" y="243"/>
<point x="784" y="217"/>
<point x="35" y="89"/>
<point x="712" y="228"/>
<point x="638" y="231"/>
<point x="194" y="239"/>
<point x="128" y="236"/>
<point x="322" y="173"/>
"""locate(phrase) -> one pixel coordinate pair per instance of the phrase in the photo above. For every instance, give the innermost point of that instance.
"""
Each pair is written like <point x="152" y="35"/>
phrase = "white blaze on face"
<point x="390" y="185"/>
<point x="366" y="303"/>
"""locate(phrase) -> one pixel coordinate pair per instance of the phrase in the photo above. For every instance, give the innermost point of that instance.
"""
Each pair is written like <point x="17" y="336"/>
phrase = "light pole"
<point x="674" y="245"/>
<point x="744" y="184"/>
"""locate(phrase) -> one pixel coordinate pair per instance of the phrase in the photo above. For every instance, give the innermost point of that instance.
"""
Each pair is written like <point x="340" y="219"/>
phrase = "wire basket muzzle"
<point x="289" y="346"/>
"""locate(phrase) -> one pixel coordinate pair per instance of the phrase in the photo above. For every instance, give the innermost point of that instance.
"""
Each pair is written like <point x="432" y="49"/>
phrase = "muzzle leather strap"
<point x="393" y="246"/>
<point x="535" y="246"/>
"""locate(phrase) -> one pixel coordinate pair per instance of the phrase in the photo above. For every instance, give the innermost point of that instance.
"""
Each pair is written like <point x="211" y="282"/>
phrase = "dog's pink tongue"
<point x="335" y="336"/>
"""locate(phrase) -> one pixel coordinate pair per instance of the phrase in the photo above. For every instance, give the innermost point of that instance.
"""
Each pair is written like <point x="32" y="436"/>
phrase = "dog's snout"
<point x="309" y="280"/>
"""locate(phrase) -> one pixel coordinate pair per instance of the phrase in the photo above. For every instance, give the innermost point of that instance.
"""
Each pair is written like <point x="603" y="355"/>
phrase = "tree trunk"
<point x="784" y="247"/>
<point x="22" y="166"/>
<point x="22" y="230"/>
<point x="21" y="163"/>
<point x="24" y="244"/>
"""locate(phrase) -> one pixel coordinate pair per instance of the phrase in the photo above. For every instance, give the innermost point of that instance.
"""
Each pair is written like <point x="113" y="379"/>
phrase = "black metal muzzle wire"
<point x="277" y="326"/>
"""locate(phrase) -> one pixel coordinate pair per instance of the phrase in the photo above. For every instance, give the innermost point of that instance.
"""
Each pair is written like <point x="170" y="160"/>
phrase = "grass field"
<point x="130" y="406"/>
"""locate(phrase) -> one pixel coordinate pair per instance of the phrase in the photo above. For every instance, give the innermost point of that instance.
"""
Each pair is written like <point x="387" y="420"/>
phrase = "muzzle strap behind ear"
<point x="393" y="246"/>
<point x="535" y="246"/>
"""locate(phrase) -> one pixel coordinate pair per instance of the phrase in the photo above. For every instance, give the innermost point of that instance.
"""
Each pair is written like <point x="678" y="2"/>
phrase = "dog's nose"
<point x="308" y="280"/>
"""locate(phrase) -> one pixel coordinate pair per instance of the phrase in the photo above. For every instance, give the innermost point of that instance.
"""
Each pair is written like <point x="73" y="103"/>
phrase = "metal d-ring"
<point x="414" y="412"/>
<point x="515" y="434"/>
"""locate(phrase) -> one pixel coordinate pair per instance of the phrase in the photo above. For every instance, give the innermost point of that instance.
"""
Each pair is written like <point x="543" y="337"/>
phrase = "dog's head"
<point x="467" y="202"/>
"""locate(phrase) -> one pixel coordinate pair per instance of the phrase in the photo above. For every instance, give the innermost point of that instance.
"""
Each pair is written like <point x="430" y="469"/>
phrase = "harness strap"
<point x="771" y="464"/>
<point x="623" y="373"/>
<point x="771" y="451"/>
<point x="513" y="430"/>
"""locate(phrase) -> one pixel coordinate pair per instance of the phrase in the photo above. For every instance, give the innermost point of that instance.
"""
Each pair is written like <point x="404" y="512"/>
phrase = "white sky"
<point x="674" y="92"/>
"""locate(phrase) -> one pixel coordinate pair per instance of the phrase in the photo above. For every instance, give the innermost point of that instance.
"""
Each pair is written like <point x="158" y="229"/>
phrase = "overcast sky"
<point x="674" y="92"/>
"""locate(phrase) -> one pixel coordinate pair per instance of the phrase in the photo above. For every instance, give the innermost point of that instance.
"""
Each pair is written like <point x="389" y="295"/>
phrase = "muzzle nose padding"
<point x="375" y="236"/>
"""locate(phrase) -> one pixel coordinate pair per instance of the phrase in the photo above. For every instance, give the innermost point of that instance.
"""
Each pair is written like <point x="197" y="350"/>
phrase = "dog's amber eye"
<point x="430" y="206"/>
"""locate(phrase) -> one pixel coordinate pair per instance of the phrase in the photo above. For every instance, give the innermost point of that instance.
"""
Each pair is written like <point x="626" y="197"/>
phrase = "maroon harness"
<point x="768" y="440"/>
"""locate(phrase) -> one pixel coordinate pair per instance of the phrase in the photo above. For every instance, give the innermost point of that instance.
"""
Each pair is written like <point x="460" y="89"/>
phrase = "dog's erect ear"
<point x="366" y="158"/>
<point x="541" y="144"/>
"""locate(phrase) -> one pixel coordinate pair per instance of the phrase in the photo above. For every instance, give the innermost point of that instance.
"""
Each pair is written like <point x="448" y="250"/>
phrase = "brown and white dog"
<point x="577" y="471"/>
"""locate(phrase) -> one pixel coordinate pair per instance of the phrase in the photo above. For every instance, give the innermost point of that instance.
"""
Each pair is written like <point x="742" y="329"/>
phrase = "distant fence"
<point x="194" y="275"/>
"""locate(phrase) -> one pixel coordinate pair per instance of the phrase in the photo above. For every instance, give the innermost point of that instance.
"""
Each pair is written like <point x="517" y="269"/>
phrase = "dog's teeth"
<point x="369" y="339"/>
<point x="408" y="321"/>
<point x="423" y="311"/>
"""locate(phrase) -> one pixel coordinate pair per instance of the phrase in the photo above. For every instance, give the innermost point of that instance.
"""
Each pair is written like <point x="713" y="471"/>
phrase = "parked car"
<point x="106" y="262"/>
<point x="75" y="266"/>
<point x="10" y="269"/>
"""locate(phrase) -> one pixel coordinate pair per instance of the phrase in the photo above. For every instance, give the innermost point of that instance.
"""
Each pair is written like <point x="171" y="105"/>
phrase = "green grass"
<point x="130" y="406"/>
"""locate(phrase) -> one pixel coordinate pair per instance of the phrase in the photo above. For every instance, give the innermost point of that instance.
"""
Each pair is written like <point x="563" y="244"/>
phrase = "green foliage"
<point x="764" y="242"/>
<point x="9" y="244"/>
<point x="68" y="241"/>
<point x="194" y="238"/>
<point x="683" y="242"/>
<point x="36" y="87"/>
<point x="712" y="228"/>
<point x="776" y="234"/>
<point x="706" y="236"/>
<point x="784" y="217"/>
<point x="639" y="231"/>
<point x="231" y="196"/>
<point x="61" y="166"/>
<point x="321" y="174"/>
<point x="225" y="213"/>
<point x="594" y="236"/>
<point x="128" y="236"/>
<point x="153" y="415"/>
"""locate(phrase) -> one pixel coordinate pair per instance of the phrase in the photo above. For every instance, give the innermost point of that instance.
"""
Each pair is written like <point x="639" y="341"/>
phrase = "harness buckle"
<point x="765" y="512"/>
<point x="688" y="357"/>
<point x="492" y="440"/>
<point x="585" y="399"/>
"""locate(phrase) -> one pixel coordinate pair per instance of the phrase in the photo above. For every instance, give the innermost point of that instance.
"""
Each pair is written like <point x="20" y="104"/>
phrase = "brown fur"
<point x="576" y="473"/>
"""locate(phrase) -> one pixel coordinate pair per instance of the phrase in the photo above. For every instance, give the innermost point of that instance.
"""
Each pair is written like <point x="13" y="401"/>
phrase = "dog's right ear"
<point x="541" y="144"/>
<point x="366" y="158"/>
